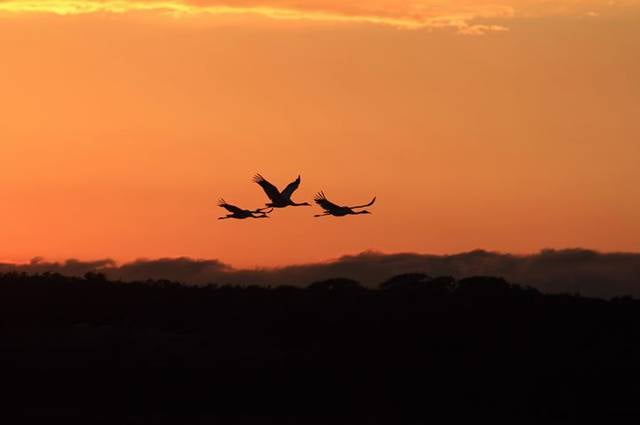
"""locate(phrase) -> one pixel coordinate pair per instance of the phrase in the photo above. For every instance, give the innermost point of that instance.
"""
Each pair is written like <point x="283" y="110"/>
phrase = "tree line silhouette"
<point x="414" y="350"/>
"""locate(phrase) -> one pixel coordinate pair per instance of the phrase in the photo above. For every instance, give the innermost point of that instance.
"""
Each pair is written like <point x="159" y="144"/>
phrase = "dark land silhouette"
<point x="417" y="349"/>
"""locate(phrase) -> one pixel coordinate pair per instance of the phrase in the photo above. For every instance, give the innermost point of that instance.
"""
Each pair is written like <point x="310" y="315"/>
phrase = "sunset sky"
<point x="508" y="125"/>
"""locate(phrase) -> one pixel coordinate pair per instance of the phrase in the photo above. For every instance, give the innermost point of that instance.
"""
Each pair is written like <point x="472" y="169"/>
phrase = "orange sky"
<point x="509" y="125"/>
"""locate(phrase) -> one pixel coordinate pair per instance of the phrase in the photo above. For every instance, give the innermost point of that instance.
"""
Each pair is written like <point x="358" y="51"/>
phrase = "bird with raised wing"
<point x="336" y="210"/>
<point x="239" y="213"/>
<point x="279" y="199"/>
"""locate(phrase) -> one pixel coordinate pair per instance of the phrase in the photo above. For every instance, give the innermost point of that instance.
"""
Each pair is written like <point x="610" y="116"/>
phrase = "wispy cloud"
<point x="465" y="16"/>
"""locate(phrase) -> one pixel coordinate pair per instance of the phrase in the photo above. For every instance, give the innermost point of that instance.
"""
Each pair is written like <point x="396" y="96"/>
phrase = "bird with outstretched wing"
<point x="239" y="213"/>
<point x="279" y="199"/>
<point x="336" y="210"/>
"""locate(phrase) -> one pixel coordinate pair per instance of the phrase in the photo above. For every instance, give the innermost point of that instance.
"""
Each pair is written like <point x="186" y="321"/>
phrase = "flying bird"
<point x="239" y="213"/>
<point x="336" y="210"/>
<point x="279" y="199"/>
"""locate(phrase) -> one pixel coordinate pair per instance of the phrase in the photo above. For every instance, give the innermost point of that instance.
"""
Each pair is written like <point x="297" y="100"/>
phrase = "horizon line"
<point x="112" y="262"/>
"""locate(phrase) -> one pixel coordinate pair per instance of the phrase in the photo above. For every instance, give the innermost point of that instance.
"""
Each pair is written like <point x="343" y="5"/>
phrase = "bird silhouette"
<point x="239" y="213"/>
<point x="336" y="210"/>
<point x="279" y="199"/>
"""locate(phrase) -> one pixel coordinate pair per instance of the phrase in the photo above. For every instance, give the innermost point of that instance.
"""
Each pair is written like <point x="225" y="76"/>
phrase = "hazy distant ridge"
<point x="587" y="272"/>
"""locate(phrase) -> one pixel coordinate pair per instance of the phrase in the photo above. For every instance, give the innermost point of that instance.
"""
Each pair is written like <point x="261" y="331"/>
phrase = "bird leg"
<point x="321" y="215"/>
<point x="262" y="210"/>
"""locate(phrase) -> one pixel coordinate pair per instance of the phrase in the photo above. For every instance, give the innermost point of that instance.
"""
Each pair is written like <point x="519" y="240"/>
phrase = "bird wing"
<point x="272" y="192"/>
<point x="366" y="205"/>
<point x="291" y="187"/>
<point x="229" y="207"/>
<point x="327" y="205"/>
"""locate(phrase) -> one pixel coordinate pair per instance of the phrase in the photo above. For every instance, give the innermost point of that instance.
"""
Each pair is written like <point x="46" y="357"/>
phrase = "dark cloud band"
<point x="581" y="271"/>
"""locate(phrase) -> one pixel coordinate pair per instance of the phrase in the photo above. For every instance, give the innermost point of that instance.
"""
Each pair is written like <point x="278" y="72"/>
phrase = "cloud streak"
<point x="587" y="272"/>
<point x="465" y="16"/>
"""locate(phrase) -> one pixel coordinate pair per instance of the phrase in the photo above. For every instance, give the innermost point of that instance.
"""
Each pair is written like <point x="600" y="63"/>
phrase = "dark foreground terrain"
<point x="417" y="350"/>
